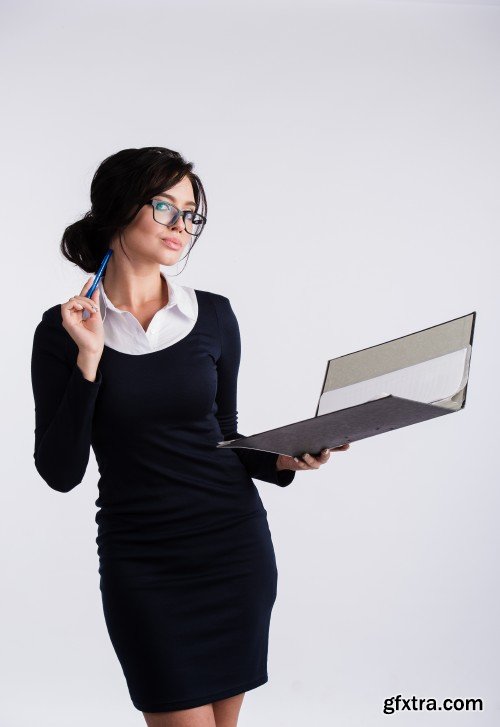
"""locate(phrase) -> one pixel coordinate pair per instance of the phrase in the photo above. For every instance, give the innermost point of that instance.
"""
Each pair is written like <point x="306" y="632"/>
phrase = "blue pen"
<point x="98" y="276"/>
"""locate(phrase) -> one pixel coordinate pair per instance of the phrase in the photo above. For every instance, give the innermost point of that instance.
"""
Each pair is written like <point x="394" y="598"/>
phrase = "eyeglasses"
<point x="167" y="214"/>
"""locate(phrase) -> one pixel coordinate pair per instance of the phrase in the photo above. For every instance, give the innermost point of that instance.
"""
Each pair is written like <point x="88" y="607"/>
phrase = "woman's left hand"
<point x="307" y="461"/>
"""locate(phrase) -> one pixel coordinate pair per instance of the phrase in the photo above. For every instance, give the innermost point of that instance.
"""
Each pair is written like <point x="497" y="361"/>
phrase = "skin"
<point x="134" y="284"/>
<point x="222" y="713"/>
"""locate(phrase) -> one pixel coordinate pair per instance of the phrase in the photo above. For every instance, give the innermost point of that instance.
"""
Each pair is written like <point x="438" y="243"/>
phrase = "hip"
<point x="223" y="548"/>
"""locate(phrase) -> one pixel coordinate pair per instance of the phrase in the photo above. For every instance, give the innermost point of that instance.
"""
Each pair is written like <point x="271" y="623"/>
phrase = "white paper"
<point x="431" y="381"/>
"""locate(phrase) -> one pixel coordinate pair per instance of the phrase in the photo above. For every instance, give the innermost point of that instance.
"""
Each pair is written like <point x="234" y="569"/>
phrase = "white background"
<point x="350" y="153"/>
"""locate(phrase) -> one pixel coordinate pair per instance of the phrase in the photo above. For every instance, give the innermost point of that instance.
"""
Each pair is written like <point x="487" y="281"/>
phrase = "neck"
<point x="134" y="287"/>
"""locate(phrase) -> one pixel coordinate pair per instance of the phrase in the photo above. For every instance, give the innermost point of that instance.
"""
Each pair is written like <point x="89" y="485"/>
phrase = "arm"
<point x="261" y="465"/>
<point x="64" y="406"/>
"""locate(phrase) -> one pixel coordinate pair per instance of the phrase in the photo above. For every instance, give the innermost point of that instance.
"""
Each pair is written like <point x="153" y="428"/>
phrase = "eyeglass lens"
<point x="165" y="213"/>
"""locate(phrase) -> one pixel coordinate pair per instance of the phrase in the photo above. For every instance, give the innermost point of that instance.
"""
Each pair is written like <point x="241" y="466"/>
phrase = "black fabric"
<point x="188" y="574"/>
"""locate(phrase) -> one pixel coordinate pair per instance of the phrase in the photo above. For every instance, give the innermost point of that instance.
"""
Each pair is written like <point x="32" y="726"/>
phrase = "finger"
<point x="300" y="464"/>
<point x="86" y="302"/>
<point x="83" y="299"/>
<point x="311" y="461"/>
<point x="68" y="309"/>
<point x="73" y="304"/>
<point x="87" y="285"/>
<point x="70" y="312"/>
<point x="95" y="297"/>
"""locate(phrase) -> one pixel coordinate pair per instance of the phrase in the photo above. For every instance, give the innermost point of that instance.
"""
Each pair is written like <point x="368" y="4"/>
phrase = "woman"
<point x="187" y="567"/>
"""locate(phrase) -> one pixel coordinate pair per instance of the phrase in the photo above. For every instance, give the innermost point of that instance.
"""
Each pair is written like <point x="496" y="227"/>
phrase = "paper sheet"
<point x="432" y="381"/>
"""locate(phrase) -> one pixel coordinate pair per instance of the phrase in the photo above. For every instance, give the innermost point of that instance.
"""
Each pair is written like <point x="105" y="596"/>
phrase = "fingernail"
<point x="296" y="459"/>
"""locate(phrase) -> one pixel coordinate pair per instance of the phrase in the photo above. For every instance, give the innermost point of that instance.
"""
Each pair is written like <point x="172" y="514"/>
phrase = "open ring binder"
<point x="406" y="380"/>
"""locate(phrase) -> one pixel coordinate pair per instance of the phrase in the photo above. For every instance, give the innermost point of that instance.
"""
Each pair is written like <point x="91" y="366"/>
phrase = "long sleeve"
<point x="259" y="464"/>
<point x="64" y="405"/>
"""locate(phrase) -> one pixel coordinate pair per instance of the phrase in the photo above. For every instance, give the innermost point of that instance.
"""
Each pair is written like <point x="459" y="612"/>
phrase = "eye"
<point x="159" y="204"/>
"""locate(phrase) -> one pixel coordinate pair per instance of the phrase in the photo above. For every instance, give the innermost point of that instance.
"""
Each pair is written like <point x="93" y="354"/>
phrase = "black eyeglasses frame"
<point x="178" y="213"/>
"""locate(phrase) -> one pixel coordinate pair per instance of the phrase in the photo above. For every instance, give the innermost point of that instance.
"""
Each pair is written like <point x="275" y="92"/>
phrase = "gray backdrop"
<point x="350" y="153"/>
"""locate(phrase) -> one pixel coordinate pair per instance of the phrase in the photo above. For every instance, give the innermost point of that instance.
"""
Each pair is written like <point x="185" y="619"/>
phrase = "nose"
<point x="179" y="224"/>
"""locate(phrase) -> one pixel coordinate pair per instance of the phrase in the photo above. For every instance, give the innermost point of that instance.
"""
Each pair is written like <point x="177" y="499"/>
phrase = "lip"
<point x="171" y="243"/>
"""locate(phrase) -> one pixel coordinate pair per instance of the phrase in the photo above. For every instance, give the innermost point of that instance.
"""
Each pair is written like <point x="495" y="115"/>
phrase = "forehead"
<point x="181" y="193"/>
<point x="177" y="200"/>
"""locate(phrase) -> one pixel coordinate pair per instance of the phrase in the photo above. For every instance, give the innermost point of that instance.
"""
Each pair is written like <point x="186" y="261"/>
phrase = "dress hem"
<point x="200" y="701"/>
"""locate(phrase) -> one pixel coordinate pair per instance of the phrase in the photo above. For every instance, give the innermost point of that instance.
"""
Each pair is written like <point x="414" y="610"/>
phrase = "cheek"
<point x="144" y="231"/>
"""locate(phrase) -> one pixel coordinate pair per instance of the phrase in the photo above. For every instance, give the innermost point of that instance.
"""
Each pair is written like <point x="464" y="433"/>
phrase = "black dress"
<point x="187" y="566"/>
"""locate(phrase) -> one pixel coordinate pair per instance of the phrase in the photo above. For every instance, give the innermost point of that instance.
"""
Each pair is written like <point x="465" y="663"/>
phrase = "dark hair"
<point x="122" y="184"/>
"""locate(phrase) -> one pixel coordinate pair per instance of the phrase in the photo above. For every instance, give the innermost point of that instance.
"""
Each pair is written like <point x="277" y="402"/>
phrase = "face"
<point x="145" y="240"/>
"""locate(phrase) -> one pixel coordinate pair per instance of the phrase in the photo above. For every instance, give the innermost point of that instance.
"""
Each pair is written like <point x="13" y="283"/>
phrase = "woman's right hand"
<point x="88" y="334"/>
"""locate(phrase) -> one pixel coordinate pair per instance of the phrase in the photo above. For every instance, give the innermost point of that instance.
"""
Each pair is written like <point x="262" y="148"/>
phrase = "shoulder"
<point x="216" y="298"/>
<point x="52" y="316"/>
<point x="50" y="330"/>
<point x="221" y="304"/>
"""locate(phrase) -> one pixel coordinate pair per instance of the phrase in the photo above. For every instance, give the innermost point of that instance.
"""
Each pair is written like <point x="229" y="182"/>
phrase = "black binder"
<point x="403" y="381"/>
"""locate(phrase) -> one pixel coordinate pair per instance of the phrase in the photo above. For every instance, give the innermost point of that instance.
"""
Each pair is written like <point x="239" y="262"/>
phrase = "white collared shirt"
<point x="123" y="332"/>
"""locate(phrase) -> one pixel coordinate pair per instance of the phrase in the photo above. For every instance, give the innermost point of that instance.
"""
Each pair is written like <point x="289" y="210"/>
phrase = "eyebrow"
<point x="193" y="204"/>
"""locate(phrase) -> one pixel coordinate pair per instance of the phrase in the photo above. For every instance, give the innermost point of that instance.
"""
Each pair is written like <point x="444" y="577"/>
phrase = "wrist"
<point x="88" y="363"/>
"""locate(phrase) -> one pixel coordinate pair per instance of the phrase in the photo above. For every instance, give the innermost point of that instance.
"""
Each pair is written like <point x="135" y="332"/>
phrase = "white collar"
<point x="177" y="295"/>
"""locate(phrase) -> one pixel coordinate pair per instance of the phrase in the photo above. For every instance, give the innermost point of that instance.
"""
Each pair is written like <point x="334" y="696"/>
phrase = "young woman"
<point x="187" y="568"/>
